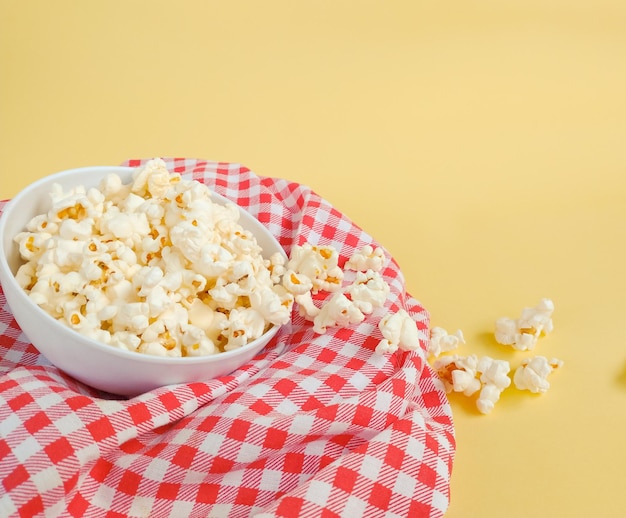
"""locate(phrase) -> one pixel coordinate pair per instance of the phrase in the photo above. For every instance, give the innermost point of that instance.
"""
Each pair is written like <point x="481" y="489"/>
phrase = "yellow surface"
<point x="481" y="142"/>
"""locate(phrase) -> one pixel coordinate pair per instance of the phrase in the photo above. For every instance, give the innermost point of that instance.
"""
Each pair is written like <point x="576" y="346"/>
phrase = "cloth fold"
<point x="314" y="426"/>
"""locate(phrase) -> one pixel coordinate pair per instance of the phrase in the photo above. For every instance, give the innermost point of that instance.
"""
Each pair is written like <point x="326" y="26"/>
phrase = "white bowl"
<point x="94" y="363"/>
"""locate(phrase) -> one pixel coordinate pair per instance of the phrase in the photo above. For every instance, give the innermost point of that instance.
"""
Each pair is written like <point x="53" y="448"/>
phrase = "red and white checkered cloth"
<point x="315" y="426"/>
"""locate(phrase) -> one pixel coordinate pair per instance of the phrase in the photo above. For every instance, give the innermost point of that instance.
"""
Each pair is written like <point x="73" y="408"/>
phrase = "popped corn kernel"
<point x="368" y="291"/>
<point x="32" y="244"/>
<point x="273" y="303"/>
<point x="442" y="342"/>
<point x="242" y="325"/>
<point x="26" y="276"/>
<point x="276" y="267"/>
<point x="399" y="331"/>
<point x="523" y="333"/>
<point x="297" y="283"/>
<point x="367" y="258"/>
<point x="533" y="372"/>
<point x="306" y="306"/>
<point x="494" y="377"/>
<point x="458" y="373"/>
<point x="470" y="375"/>
<point x="338" y="311"/>
<point x="319" y="264"/>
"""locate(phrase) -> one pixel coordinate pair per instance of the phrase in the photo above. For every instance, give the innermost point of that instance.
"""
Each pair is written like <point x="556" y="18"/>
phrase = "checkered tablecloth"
<point x="315" y="426"/>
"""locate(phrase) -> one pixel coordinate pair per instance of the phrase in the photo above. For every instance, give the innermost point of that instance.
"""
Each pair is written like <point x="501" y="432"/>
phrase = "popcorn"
<point x="522" y="333"/>
<point x="313" y="269"/>
<point x="25" y="275"/>
<point x="367" y="258"/>
<point x="399" y="331"/>
<point x="494" y="377"/>
<point x="274" y="304"/>
<point x="368" y="291"/>
<point x="532" y="374"/>
<point x="155" y="266"/>
<point x="469" y="375"/>
<point x="133" y="317"/>
<point x="41" y="224"/>
<point x="441" y="342"/>
<point x="338" y="311"/>
<point x="196" y="342"/>
<point x="276" y="267"/>
<point x="242" y="326"/>
<point x="488" y="376"/>
<point x="458" y="373"/>
<point x="32" y="244"/>
<point x="125" y="340"/>
<point x="317" y="263"/>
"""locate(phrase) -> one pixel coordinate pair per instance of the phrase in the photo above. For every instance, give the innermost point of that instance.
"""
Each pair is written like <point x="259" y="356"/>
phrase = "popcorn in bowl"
<point x="153" y="266"/>
<point x="112" y="265"/>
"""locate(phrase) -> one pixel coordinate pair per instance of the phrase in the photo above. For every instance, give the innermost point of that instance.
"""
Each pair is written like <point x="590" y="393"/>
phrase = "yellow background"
<point x="481" y="142"/>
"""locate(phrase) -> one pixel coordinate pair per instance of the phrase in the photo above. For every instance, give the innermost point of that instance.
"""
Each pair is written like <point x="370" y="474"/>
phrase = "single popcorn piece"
<point x="522" y="333"/>
<point x="274" y="304"/>
<point x="156" y="266"/>
<point x="319" y="264"/>
<point x="494" y="377"/>
<point x="338" y="311"/>
<point x="458" y="373"/>
<point x="442" y="342"/>
<point x="399" y="331"/>
<point x="470" y="375"/>
<point x="367" y="258"/>
<point x="306" y="306"/>
<point x="276" y="267"/>
<point x="297" y="283"/>
<point x="368" y="291"/>
<point x="532" y="374"/>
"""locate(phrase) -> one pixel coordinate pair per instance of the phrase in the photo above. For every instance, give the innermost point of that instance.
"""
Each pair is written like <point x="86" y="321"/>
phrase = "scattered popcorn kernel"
<point x="367" y="258"/>
<point x="470" y="375"/>
<point x="399" y="331"/>
<point x="441" y="342"/>
<point x="458" y="373"/>
<point x="306" y="306"/>
<point x="522" y="333"/>
<point x="532" y="374"/>
<point x="494" y="377"/>
<point x="368" y="291"/>
<point x="338" y="311"/>
<point x="319" y="264"/>
<point x="297" y="283"/>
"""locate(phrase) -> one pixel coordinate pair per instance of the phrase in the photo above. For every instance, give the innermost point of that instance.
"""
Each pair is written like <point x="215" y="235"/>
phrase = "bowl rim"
<point x="11" y="205"/>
